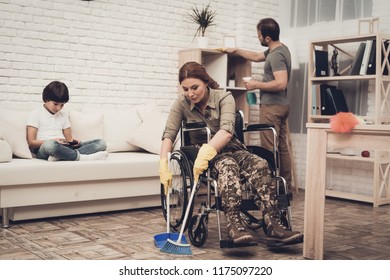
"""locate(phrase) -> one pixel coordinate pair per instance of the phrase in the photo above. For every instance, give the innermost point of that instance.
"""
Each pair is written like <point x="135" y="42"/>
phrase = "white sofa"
<point x="31" y="188"/>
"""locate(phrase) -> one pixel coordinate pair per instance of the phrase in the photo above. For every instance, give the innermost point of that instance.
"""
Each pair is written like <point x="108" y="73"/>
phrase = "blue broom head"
<point x="161" y="239"/>
<point x="173" y="247"/>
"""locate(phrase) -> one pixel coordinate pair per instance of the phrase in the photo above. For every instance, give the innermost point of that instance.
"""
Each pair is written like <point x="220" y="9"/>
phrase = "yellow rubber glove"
<point x="165" y="175"/>
<point x="206" y="153"/>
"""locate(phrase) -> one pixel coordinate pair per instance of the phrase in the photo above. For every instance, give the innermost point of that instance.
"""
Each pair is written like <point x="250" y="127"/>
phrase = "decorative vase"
<point x="203" y="42"/>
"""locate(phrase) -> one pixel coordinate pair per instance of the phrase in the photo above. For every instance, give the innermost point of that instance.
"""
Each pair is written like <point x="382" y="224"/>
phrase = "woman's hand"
<point x="165" y="175"/>
<point x="205" y="154"/>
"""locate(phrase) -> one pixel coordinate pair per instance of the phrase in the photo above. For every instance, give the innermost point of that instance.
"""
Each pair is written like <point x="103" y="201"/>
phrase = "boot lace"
<point x="235" y="221"/>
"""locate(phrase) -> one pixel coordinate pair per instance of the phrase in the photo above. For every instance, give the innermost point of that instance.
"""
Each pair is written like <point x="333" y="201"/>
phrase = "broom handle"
<point x="187" y="212"/>
<point x="168" y="202"/>
<point x="168" y="214"/>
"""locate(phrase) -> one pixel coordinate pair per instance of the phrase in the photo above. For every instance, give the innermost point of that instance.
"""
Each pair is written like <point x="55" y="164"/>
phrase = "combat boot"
<point x="236" y="230"/>
<point x="275" y="230"/>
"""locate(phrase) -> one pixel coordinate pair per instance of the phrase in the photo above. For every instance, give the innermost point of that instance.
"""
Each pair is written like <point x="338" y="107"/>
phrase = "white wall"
<point x="109" y="52"/>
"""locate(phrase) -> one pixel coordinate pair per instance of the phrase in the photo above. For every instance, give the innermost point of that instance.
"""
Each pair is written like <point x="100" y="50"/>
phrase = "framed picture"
<point x="229" y="41"/>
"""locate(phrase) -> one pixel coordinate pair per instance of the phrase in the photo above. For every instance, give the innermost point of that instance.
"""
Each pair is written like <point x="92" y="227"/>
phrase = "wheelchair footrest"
<point x="228" y="243"/>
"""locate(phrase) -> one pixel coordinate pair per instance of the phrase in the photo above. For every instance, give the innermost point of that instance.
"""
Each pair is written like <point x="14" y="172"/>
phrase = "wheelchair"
<point x="181" y="165"/>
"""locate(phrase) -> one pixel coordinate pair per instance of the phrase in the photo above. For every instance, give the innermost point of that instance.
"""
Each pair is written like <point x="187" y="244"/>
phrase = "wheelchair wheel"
<point x="197" y="230"/>
<point x="182" y="182"/>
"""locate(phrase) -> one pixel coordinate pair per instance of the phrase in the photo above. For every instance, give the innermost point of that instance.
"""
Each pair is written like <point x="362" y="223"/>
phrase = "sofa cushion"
<point x="86" y="126"/>
<point x="5" y="151"/>
<point x="145" y="110"/>
<point x="118" y="126"/>
<point x="117" y="166"/>
<point x="13" y="130"/>
<point x="148" y="134"/>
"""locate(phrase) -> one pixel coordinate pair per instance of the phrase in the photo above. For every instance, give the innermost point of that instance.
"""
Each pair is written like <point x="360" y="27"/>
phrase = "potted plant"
<point x="204" y="18"/>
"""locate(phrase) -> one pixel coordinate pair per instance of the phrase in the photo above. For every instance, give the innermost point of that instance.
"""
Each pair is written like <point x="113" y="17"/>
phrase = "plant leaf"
<point x="204" y="18"/>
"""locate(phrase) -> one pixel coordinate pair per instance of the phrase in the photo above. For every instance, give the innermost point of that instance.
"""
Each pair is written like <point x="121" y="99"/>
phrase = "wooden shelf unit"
<point x="346" y="47"/>
<point x="320" y="140"/>
<point x="220" y="66"/>
<point x="380" y="161"/>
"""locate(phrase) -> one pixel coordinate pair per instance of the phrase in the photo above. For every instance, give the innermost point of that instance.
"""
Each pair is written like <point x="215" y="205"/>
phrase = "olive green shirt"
<point x="219" y="114"/>
<point x="276" y="60"/>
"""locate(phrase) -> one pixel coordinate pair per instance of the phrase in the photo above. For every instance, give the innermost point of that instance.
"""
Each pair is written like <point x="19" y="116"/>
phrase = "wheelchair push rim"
<point x="182" y="182"/>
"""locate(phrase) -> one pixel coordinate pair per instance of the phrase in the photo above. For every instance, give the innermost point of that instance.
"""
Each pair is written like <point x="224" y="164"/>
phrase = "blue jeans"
<point x="61" y="152"/>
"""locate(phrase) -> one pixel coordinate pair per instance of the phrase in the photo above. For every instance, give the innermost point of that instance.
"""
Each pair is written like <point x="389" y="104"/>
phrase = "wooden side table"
<point x="319" y="139"/>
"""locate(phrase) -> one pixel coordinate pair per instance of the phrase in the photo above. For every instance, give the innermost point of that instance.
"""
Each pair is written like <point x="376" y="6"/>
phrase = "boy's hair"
<point x="269" y="27"/>
<point x="56" y="91"/>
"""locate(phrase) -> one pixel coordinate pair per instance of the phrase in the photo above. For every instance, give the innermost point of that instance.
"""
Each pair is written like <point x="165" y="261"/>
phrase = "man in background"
<point x="274" y="104"/>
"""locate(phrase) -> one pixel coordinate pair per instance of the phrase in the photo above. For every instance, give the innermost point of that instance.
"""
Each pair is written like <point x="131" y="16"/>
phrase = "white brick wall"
<point x="109" y="52"/>
<point x="355" y="177"/>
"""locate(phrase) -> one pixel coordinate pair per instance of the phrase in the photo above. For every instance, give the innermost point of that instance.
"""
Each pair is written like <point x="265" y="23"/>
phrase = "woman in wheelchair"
<point x="228" y="158"/>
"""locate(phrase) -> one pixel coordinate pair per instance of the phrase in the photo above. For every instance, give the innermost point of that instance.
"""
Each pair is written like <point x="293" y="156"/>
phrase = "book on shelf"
<point x="323" y="99"/>
<point x="316" y="100"/>
<point x="366" y="57"/>
<point x="321" y="63"/>
<point x="371" y="66"/>
<point x="332" y="100"/>
<point x="357" y="60"/>
<point x="336" y="101"/>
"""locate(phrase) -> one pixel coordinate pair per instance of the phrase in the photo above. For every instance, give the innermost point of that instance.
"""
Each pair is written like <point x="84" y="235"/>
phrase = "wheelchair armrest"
<point x="259" y="127"/>
<point x="185" y="127"/>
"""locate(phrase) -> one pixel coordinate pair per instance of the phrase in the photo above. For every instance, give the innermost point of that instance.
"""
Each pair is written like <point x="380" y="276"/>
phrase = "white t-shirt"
<point x="49" y="126"/>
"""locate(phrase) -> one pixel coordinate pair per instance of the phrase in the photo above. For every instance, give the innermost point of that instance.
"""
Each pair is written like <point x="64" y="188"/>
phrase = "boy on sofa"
<point x="49" y="134"/>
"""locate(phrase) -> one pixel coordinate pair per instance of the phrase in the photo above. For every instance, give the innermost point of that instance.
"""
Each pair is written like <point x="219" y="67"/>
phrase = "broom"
<point x="177" y="247"/>
<point x="161" y="239"/>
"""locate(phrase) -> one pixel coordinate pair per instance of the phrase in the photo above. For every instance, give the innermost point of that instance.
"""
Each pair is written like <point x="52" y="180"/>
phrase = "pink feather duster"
<point x="343" y="122"/>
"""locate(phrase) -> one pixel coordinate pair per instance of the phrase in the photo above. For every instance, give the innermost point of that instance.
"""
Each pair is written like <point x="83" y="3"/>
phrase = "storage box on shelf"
<point x="221" y="66"/>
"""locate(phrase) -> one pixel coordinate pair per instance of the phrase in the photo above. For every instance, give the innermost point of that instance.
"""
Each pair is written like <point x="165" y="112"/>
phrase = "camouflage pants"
<point x="230" y="167"/>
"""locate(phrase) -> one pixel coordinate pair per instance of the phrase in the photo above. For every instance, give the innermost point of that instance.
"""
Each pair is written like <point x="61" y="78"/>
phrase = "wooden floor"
<point x="352" y="231"/>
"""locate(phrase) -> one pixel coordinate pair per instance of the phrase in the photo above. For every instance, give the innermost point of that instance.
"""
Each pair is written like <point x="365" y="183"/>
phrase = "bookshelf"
<point x="220" y="66"/>
<point x="347" y="48"/>
<point x="372" y="135"/>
